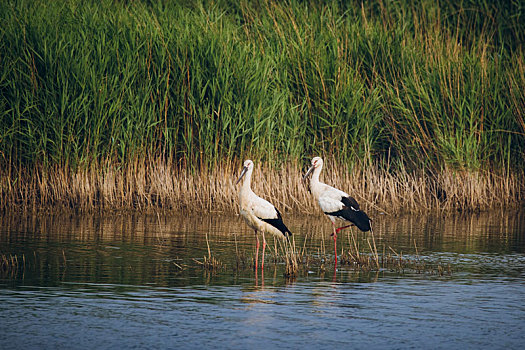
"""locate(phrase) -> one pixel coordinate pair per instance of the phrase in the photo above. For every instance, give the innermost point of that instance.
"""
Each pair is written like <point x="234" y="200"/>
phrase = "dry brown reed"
<point x="210" y="262"/>
<point x="240" y="256"/>
<point x="297" y="260"/>
<point x="291" y="258"/>
<point x="371" y="260"/>
<point x="161" y="185"/>
<point x="11" y="264"/>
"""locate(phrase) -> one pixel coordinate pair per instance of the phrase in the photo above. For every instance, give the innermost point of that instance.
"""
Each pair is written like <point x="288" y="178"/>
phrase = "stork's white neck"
<point x="315" y="174"/>
<point x="247" y="181"/>
<point x="315" y="184"/>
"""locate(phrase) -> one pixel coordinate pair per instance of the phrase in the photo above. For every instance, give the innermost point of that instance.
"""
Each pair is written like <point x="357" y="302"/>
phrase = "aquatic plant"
<point x="160" y="186"/>
<point x="11" y="264"/>
<point x="291" y="258"/>
<point x="210" y="262"/>
<point x="124" y="105"/>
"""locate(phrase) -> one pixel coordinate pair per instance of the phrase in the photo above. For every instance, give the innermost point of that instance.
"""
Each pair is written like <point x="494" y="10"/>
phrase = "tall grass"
<point x="146" y="185"/>
<point x="103" y="94"/>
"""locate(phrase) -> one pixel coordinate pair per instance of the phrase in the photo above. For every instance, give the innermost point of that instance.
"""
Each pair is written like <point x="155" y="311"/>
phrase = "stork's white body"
<point x="258" y="213"/>
<point x="335" y="203"/>
<point x="253" y="209"/>
<point x="328" y="197"/>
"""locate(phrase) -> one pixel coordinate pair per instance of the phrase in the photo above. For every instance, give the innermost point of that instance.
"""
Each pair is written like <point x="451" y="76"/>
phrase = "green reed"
<point x="421" y="86"/>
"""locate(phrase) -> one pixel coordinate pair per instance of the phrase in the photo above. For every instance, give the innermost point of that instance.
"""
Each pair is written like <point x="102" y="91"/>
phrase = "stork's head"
<point x="248" y="165"/>
<point x="317" y="162"/>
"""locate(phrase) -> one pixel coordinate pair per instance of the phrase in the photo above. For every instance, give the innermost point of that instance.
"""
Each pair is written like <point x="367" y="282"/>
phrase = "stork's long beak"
<point x="244" y="170"/>
<point x="308" y="172"/>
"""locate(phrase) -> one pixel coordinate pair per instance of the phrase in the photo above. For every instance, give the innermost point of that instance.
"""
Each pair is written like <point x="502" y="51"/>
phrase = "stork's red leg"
<point x="256" y="252"/>
<point x="340" y="228"/>
<point x="264" y="247"/>
<point x="335" y="242"/>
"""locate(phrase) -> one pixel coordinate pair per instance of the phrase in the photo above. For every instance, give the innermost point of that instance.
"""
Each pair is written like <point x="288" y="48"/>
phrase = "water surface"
<point x="135" y="281"/>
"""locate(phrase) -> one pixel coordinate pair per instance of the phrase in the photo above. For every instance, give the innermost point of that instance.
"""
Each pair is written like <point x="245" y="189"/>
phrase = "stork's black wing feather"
<point x="352" y="213"/>
<point x="278" y="223"/>
<point x="350" y="202"/>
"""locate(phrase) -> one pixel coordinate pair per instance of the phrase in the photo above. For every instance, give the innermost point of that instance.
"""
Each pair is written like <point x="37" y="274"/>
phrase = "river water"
<point x="137" y="281"/>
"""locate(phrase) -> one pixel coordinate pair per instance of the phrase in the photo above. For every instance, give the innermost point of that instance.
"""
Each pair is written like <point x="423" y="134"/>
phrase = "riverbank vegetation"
<point x="154" y="105"/>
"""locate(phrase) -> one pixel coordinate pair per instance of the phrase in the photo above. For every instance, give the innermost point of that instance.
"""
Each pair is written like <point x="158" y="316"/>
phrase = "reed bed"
<point x="155" y="104"/>
<point x="388" y="259"/>
<point x="298" y="260"/>
<point x="161" y="186"/>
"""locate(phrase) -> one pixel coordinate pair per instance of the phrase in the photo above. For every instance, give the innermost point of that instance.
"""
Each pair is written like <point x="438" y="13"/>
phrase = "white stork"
<point x="258" y="213"/>
<point x="335" y="203"/>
